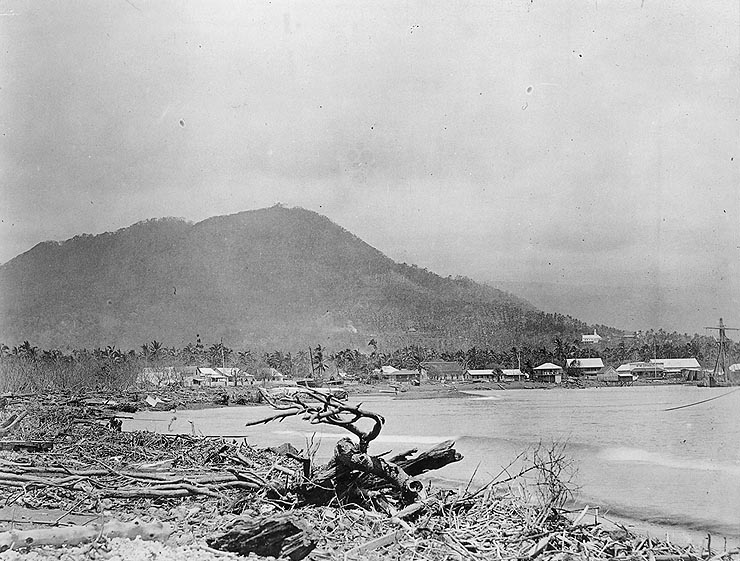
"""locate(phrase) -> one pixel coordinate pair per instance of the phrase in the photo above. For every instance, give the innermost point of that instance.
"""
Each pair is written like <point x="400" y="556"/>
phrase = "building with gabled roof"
<point x="488" y="375"/>
<point x="587" y="338"/>
<point x="513" y="375"/>
<point x="402" y="375"/>
<point x="676" y="366"/>
<point x="549" y="372"/>
<point x="584" y="366"/>
<point x="642" y="369"/>
<point x="442" y="370"/>
<point x="212" y="377"/>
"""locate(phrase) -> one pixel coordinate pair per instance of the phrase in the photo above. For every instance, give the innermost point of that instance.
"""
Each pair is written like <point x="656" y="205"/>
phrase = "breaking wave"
<point x="637" y="455"/>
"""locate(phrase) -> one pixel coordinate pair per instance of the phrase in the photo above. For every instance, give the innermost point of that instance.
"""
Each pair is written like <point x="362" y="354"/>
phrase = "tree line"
<point x="26" y="367"/>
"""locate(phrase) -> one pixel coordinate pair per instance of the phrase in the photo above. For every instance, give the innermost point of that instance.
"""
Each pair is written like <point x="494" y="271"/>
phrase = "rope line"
<point x="702" y="401"/>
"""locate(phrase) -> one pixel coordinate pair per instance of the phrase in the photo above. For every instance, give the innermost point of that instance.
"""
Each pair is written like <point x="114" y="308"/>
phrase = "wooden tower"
<point x="719" y="374"/>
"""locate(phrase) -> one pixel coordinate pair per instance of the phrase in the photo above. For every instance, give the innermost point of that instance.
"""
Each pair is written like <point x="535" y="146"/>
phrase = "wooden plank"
<point x="27" y="445"/>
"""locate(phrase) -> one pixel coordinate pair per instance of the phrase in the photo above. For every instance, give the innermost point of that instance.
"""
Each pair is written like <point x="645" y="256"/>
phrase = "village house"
<point x="385" y="371"/>
<point x="513" y="375"/>
<point x="584" y="366"/>
<point x="442" y="370"/>
<point x="211" y="377"/>
<point x="488" y="375"/>
<point x="270" y="374"/>
<point x="595" y="338"/>
<point x="235" y="376"/>
<point x="393" y="375"/>
<point x="677" y="367"/>
<point x="641" y="370"/>
<point x="188" y="376"/>
<point x="610" y="376"/>
<point x="549" y="372"/>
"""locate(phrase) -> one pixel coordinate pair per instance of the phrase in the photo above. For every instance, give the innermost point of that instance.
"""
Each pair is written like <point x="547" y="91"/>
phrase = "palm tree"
<point x="155" y="349"/>
<point x="302" y="363"/>
<point x="219" y="354"/>
<point x="26" y="350"/>
<point x="319" y="363"/>
<point x="245" y="358"/>
<point x="559" y="352"/>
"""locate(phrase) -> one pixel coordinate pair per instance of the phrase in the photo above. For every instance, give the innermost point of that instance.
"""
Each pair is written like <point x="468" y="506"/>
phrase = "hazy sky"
<point x="563" y="141"/>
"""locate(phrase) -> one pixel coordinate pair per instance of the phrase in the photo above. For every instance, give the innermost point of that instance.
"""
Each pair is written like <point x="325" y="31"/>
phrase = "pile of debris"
<point x="70" y="476"/>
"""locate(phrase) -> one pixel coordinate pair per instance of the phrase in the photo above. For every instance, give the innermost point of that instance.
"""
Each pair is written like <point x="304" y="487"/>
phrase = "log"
<point x="11" y="422"/>
<point x="27" y="445"/>
<point x="272" y="536"/>
<point x="73" y="535"/>
<point x="334" y="478"/>
<point x="348" y="455"/>
<point x="382" y="541"/>
<point x="434" y="458"/>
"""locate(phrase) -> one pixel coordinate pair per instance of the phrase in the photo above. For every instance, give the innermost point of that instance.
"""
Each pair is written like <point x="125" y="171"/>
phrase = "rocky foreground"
<point x="74" y="487"/>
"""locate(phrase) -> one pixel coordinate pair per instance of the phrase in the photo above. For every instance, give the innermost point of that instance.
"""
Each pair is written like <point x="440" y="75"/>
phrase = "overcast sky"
<point x="566" y="141"/>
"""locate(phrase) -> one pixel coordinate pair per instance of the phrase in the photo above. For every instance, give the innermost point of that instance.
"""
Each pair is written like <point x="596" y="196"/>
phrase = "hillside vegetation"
<point x="270" y="278"/>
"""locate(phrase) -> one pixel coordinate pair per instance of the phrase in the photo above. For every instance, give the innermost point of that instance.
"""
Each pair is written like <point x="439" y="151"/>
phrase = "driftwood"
<point x="353" y="475"/>
<point x="434" y="458"/>
<point x="27" y="445"/>
<point x="11" y="422"/>
<point x="275" y="536"/>
<point x="317" y="407"/>
<point x="72" y="535"/>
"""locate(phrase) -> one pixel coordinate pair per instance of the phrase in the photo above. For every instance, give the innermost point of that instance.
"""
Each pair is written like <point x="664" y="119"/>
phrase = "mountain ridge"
<point x="269" y="277"/>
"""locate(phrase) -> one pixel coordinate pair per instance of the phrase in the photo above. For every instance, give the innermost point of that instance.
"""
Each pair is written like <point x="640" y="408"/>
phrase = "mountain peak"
<point x="276" y="277"/>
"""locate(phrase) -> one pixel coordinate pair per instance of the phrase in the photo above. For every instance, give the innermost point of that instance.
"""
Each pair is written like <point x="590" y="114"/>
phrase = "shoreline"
<point x="193" y="518"/>
<point x="680" y="533"/>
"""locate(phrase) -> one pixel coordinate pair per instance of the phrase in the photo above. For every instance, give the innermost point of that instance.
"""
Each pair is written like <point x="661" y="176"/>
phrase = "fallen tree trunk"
<point x="73" y="535"/>
<point x="11" y="422"/>
<point x="277" y="536"/>
<point x="350" y="475"/>
<point x="434" y="458"/>
<point x="27" y="445"/>
<point x="349" y="457"/>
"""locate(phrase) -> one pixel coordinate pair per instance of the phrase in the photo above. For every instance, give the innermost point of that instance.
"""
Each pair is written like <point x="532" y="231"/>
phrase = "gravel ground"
<point x="120" y="549"/>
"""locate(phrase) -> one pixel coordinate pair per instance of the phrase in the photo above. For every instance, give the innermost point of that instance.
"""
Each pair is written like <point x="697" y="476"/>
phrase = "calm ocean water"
<point x="634" y="459"/>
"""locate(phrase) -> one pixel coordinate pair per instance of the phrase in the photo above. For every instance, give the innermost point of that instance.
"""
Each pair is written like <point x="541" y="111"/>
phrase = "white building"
<point x="212" y="377"/>
<point x="549" y="372"/>
<point x="595" y="338"/>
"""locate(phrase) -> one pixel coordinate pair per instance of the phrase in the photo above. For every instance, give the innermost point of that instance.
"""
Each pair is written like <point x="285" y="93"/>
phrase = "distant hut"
<point x="584" y="366"/>
<point x="513" y="375"/>
<point x="609" y="376"/>
<point x="212" y="377"/>
<point x="270" y="374"/>
<point x="235" y="377"/>
<point x="442" y="371"/>
<point x="486" y="375"/>
<point x="397" y="376"/>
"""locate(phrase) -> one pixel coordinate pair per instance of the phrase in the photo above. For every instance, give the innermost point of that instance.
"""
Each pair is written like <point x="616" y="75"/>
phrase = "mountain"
<point x="270" y="278"/>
